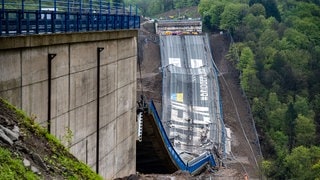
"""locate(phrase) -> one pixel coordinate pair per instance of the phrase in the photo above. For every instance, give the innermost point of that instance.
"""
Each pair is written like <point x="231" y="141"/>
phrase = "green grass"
<point x="11" y="167"/>
<point x="61" y="158"/>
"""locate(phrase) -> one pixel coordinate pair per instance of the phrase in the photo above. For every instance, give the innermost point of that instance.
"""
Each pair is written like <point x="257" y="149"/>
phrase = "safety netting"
<point x="191" y="105"/>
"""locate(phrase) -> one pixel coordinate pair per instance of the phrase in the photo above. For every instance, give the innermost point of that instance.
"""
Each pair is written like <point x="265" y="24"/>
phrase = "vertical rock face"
<point x="94" y="133"/>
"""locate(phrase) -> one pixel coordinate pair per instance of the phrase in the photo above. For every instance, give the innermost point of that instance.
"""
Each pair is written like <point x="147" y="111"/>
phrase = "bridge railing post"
<point x="19" y="19"/>
<point x="53" y="19"/>
<point x="28" y="22"/>
<point x="1" y="25"/>
<point x="6" y="19"/>
<point x="2" y="9"/>
<point x="66" y="22"/>
<point x="37" y="21"/>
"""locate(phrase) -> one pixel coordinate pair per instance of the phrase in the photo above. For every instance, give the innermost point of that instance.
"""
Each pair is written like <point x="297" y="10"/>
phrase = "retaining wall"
<point x="62" y="93"/>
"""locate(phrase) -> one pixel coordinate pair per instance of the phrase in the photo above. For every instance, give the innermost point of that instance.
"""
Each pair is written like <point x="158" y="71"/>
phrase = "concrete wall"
<point x="24" y="82"/>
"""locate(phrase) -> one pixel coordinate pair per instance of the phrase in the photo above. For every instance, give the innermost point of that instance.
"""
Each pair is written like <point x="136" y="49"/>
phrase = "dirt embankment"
<point x="246" y="155"/>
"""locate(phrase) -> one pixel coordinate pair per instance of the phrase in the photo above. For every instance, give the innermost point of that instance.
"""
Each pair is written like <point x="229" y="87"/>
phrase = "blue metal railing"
<point x="57" y="16"/>
<point x="193" y="167"/>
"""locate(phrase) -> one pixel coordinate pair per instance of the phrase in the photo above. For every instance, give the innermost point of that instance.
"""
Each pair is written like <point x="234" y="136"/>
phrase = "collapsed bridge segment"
<point x="190" y="125"/>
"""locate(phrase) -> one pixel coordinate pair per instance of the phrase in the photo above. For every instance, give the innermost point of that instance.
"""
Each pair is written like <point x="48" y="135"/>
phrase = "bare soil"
<point x="242" y="163"/>
<point x="246" y="154"/>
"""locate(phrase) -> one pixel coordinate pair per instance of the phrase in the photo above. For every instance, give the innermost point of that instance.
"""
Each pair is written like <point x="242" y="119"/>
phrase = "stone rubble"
<point x="9" y="136"/>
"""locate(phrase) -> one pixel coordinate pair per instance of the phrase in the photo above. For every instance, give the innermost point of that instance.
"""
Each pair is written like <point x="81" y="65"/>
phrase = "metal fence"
<point x="56" y="16"/>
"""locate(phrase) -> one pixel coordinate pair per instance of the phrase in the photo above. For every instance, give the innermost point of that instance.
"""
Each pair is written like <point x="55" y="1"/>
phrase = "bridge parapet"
<point x="65" y="16"/>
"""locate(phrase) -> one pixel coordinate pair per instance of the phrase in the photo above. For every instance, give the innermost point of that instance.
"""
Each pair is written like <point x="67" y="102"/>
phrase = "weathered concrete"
<point x="24" y="68"/>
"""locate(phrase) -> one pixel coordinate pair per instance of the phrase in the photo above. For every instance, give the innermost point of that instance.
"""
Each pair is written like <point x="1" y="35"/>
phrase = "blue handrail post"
<point x="80" y="16"/>
<point x="37" y="21"/>
<point x="39" y="6"/>
<point x="90" y="7"/>
<point x="55" y="6"/>
<point x="2" y="6"/>
<point x="90" y="14"/>
<point x="80" y="7"/>
<point x="18" y="25"/>
<point x="136" y="10"/>
<point x="135" y="18"/>
<point x="2" y="10"/>
<point x="22" y="9"/>
<point x="0" y="26"/>
<point x="100" y="14"/>
<point x="68" y="7"/>
<point x="109" y="8"/>
<point x="68" y="15"/>
<point x="53" y="17"/>
<point x="116" y="9"/>
<point x="7" y="22"/>
<point x="100" y="7"/>
<point x="124" y="10"/>
<point x="28" y="23"/>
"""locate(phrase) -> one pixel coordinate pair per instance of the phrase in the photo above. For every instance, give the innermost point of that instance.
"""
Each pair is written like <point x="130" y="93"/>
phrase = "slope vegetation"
<point x="27" y="151"/>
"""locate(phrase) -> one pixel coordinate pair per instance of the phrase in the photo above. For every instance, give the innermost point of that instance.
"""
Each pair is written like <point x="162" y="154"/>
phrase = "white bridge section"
<point x="191" y="112"/>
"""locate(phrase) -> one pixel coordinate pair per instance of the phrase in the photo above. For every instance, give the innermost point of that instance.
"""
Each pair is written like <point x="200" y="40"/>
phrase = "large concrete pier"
<point x="82" y="87"/>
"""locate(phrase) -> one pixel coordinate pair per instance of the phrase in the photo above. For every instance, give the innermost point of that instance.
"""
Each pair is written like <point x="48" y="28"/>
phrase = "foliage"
<point x="305" y="130"/>
<point x="11" y="167"/>
<point x="232" y="16"/>
<point x="61" y="159"/>
<point x="277" y="53"/>
<point x="301" y="161"/>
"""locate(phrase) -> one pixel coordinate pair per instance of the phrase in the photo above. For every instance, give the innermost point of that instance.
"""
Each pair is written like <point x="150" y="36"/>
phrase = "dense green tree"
<point x="246" y="59"/>
<point x="211" y="13"/>
<point x="278" y="58"/>
<point x="277" y="118"/>
<point x="232" y="16"/>
<point x="259" y="112"/>
<point x="290" y="123"/>
<point x="257" y="9"/>
<point x="301" y="161"/>
<point x="301" y="106"/>
<point x="305" y="131"/>
<point x="270" y="7"/>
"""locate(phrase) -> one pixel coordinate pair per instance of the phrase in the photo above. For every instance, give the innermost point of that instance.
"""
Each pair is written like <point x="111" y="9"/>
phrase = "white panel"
<point x="195" y="63"/>
<point x="175" y="61"/>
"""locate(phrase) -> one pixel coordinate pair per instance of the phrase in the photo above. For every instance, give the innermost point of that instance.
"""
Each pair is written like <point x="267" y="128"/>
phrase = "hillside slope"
<point x="27" y="151"/>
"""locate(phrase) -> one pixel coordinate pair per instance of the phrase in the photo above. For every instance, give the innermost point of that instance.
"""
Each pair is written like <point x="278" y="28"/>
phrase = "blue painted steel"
<point x="192" y="167"/>
<point x="60" y="16"/>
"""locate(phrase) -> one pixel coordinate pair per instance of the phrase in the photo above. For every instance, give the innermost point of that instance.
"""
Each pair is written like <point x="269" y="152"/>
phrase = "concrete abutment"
<point x="71" y="100"/>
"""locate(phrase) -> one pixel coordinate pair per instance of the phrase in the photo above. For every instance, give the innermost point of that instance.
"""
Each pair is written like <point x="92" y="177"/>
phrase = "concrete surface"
<point x="24" y="83"/>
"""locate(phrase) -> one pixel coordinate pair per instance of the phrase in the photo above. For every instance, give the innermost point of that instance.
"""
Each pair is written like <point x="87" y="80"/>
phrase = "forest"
<point x="276" y="50"/>
<point x="277" y="54"/>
